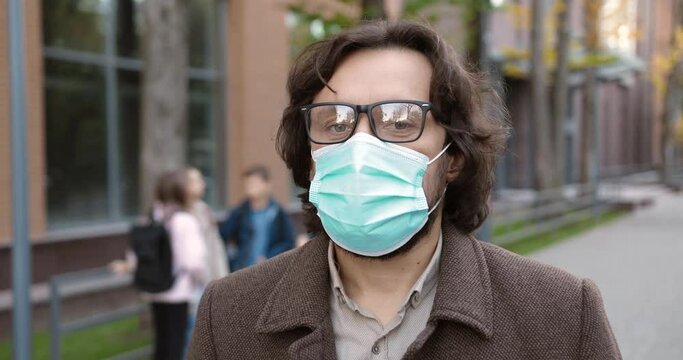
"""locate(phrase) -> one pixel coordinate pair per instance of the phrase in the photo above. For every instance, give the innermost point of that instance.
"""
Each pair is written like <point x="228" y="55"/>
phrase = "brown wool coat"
<point x="490" y="304"/>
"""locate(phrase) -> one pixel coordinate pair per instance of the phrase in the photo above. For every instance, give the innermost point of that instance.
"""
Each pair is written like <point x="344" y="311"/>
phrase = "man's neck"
<point x="381" y="285"/>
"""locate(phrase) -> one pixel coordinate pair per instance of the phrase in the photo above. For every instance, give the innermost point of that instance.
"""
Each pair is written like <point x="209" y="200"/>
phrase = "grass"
<point x="536" y="242"/>
<point x="514" y="226"/>
<point x="98" y="342"/>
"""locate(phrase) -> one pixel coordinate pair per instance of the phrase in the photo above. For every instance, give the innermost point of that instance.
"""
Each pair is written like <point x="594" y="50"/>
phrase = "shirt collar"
<point x="424" y="284"/>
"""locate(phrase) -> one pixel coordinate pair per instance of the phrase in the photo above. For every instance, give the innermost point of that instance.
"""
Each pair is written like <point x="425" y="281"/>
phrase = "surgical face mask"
<point x="369" y="194"/>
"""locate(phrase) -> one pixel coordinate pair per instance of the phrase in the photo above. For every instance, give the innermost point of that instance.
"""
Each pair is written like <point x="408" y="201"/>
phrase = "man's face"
<point x="369" y="76"/>
<point x="255" y="187"/>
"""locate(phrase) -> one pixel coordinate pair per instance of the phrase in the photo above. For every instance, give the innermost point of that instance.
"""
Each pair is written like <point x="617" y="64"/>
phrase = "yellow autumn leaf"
<point x="514" y="71"/>
<point x="510" y="53"/>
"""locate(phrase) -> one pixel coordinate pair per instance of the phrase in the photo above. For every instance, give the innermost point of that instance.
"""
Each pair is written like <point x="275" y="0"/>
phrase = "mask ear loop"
<point x="440" y="153"/>
<point x="443" y="194"/>
<point x="444" y="190"/>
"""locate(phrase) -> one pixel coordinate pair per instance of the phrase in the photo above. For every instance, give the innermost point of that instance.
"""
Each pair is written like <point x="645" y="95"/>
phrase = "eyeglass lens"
<point x="393" y="122"/>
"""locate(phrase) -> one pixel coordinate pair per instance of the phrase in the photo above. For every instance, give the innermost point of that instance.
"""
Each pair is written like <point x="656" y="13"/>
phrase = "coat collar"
<point x="463" y="291"/>
<point x="302" y="297"/>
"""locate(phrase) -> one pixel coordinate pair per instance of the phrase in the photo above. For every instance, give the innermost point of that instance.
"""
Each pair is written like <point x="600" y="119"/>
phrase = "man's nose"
<point x="363" y="125"/>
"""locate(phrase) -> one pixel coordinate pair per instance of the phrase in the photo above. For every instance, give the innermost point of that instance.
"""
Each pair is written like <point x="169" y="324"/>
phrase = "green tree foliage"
<point x="471" y="12"/>
<point x="307" y="28"/>
<point x="373" y="9"/>
<point x="306" y="25"/>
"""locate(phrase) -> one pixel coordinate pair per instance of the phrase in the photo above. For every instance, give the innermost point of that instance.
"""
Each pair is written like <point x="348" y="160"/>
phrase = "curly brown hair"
<point x="464" y="103"/>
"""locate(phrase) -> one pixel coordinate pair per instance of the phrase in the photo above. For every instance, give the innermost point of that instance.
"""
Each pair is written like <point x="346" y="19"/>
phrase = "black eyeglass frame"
<point x="367" y="110"/>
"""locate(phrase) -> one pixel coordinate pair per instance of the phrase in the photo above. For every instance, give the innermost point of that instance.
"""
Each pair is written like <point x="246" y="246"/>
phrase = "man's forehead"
<point x="380" y="74"/>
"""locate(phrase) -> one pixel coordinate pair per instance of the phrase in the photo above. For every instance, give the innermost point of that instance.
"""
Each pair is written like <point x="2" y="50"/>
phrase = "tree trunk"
<point x="475" y="41"/>
<point x="476" y="17"/>
<point x="673" y="101"/>
<point x="587" y="118"/>
<point x="373" y="9"/>
<point x="591" y="16"/>
<point x="561" y="91"/>
<point x="164" y="92"/>
<point x="672" y="112"/>
<point x="539" y="112"/>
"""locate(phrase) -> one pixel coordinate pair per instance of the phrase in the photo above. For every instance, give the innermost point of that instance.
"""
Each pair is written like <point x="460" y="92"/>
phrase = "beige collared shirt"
<point x="359" y="335"/>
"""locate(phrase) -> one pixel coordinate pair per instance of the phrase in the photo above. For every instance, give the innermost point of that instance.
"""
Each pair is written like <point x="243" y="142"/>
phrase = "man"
<point x="258" y="228"/>
<point x="396" y="143"/>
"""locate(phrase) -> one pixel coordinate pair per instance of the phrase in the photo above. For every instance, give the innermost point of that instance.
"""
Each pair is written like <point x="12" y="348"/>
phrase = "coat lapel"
<point x="463" y="290"/>
<point x="317" y="345"/>
<point x="299" y="301"/>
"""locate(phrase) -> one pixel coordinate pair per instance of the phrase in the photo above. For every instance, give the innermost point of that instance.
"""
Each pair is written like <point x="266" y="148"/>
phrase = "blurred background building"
<point x="86" y="60"/>
<point x="632" y="35"/>
<point x="84" y="97"/>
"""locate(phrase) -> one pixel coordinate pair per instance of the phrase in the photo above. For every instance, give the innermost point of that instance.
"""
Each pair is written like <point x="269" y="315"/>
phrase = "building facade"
<point x="83" y="91"/>
<point x="629" y="109"/>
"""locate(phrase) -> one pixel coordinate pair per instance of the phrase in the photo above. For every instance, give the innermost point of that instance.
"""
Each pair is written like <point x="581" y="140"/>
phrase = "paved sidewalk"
<point x="638" y="264"/>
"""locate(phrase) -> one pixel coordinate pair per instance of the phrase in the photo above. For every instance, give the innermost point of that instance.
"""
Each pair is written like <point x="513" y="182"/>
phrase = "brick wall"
<point x="258" y="51"/>
<point x="34" y="122"/>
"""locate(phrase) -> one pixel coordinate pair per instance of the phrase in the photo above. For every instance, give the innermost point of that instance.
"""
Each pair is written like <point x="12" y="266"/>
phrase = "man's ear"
<point x="455" y="164"/>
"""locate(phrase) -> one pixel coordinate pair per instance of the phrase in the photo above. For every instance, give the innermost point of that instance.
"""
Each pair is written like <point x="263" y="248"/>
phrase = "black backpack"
<point x="151" y="244"/>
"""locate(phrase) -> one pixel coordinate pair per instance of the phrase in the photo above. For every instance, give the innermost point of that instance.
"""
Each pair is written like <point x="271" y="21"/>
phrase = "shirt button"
<point x="415" y="300"/>
<point x="375" y="349"/>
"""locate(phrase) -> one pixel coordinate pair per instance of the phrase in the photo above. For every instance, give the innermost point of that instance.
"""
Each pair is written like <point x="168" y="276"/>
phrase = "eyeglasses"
<point x="396" y="121"/>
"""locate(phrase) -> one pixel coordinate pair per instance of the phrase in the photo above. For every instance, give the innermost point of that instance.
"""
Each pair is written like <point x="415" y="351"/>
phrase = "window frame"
<point x="110" y="63"/>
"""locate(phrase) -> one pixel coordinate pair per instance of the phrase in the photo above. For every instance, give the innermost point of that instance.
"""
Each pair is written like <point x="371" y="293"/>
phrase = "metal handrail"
<point x="549" y="210"/>
<point x="87" y="282"/>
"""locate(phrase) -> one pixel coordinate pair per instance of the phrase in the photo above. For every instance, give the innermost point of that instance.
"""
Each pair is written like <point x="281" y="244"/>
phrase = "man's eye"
<point x="400" y="125"/>
<point x="339" y="127"/>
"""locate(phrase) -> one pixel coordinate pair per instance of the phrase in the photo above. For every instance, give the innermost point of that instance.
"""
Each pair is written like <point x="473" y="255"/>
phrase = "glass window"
<point x="201" y="142"/>
<point x="75" y="24"/>
<point x="129" y="101"/>
<point x="202" y="33"/>
<point x="201" y="145"/>
<point x="129" y="28"/>
<point x="76" y="150"/>
<point x="93" y="172"/>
